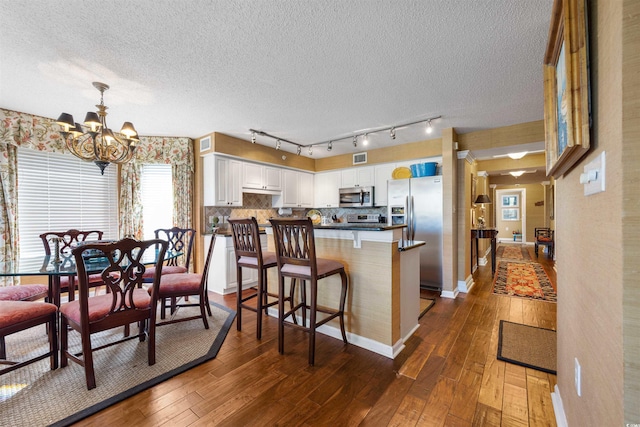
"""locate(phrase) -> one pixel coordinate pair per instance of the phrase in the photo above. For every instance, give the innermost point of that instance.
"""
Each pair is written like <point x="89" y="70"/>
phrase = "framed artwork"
<point x="511" y="214"/>
<point x="567" y="109"/>
<point x="512" y="200"/>
<point x="474" y="182"/>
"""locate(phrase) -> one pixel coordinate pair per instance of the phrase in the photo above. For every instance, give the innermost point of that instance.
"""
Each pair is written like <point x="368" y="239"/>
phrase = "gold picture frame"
<point x="567" y="115"/>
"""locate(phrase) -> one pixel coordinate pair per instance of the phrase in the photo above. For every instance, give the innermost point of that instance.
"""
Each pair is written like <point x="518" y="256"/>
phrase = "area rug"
<point x="513" y="252"/>
<point x="523" y="279"/>
<point x="425" y="305"/>
<point x="528" y="346"/>
<point x="36" y="396"/>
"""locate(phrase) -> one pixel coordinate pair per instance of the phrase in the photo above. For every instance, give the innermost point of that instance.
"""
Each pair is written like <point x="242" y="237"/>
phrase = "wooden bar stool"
<point x="246" y="241"/>
<point x="296" y="255"/>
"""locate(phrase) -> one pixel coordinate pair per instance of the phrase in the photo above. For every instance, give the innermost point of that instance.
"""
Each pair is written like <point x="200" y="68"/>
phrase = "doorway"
<point x="510" y="214"/>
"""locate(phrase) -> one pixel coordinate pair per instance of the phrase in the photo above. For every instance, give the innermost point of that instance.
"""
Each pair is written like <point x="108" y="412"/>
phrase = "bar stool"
<point x="296" y="255"/>
<point x="246" y="242"/>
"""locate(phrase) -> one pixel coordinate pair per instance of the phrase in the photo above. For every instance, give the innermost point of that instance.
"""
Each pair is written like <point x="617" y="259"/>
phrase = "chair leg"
<point x="151" y="342"/>
<point x="259" y="304"/>
<point x="3" y="348"/>
<point x="87" y="356"/>
<point x="281" y="314"/>
<point x="239" y="298"/>
<point x="53" y="341"/>
<point x="163" y="307"/>
<point x="64" y="341"/>
<point x="535" y="249"/>
<point x="292" y="294"/>
<point x="312" y="320"/>
<point x="343" y="298"/>
<point x="303" y="299"/>
<point x="203" y="311"/>
<point x="206" y="301"/>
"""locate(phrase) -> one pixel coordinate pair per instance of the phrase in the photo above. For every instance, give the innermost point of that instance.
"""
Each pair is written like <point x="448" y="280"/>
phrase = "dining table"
<point x="64" y="265"/>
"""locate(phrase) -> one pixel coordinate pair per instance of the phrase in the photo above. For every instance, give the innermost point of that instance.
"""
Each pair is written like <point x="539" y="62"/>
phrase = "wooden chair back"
<point x="68" y="239"/>
<point x="295" y="243"/>
<point x="180" y="240"/>
<point x="246" y="239"/>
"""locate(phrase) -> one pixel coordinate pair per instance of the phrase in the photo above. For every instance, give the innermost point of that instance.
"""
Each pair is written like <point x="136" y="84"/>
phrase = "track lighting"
<point x="392" y="132"/>
<point x="299" y="150"/>
<point x="366" y="139"/>
<point x="278" y="144"/>
<point x="429" y="128"/>
<point x="253" y="137"/>
<point x="310" y="149"/>
<point x="330" y="146"/>
<point x="355" y="140"/>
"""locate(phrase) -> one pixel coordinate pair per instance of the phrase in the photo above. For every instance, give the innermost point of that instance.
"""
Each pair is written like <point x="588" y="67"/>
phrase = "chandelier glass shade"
<point x="96" y="142"/>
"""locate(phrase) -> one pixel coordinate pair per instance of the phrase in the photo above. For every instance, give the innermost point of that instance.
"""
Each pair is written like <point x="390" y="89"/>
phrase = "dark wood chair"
<point x="249" y="254"/>
<point x="127" y="302"/>
<point x="180" y="240"/>
<point x="176" y="286"/>
<point x="296" y="255"/>
<point x="544" y="237"/>
<point x="68" y="240"/>
<point x="16" y="316"/>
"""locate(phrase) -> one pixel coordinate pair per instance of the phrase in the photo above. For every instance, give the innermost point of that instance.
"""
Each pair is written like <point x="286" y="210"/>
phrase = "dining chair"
<point x="127" y="302"/>
<point x="67" y="240"/>
<point x="296" y="254"/>
<point x="24" y="292"/>
<point x="177" y="286"/>
<point x="249" y="254"/>
<point x="16" y="316"/>
<point x="180" y="240"/>
<point x="544" y="237"/>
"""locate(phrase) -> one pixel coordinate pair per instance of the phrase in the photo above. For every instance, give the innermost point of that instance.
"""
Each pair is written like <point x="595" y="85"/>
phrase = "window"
<point x="511" y="200"/>
<point x="511" y="214"/>
<point x="58" y="192"/>
<point x="157" y="198"/>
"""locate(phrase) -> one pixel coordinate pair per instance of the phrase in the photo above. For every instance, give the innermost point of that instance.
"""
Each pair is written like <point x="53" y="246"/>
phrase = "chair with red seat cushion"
<point x="67" y="241"/>
<point x="176" y="286"/>
<point x="126" y="302"/>
<point x="16" y="316"/>
<point x="249" y="254"/>
<point x="296" y="253"/>
<point x="180" y="241"/>
<point x="23" y="292"/>
<point x="544" y="237"/>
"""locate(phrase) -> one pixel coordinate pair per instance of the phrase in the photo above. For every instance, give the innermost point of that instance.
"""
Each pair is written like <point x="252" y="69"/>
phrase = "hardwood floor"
<point x="448" y="375"/>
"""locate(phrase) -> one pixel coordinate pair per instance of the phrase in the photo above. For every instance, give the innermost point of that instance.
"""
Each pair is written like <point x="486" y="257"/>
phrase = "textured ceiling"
<point x="307" y="71"/>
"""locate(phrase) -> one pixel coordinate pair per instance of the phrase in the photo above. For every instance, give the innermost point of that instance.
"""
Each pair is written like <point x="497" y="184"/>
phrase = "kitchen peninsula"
<point x="384" y="283"/>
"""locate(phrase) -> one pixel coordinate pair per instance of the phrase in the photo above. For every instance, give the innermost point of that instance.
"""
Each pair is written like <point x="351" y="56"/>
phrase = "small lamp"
<point x="481" y="200"/>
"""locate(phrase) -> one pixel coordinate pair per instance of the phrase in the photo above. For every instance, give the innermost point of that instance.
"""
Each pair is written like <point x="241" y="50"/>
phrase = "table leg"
<point x="493" y="255"/>
<point x="477" y="254"/>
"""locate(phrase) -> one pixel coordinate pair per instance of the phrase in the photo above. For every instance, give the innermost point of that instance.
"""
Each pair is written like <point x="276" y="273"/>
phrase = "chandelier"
<point x="99" y="144"/>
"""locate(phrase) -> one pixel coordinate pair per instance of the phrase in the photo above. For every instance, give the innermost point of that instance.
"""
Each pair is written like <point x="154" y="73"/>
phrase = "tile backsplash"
<point x="259" y="206"/>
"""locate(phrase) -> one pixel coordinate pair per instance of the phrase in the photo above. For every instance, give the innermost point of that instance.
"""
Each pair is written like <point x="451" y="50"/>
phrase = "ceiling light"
<point x="278" y="144"/>
<point x="298" y="150"/>
<point x="253" y="137"/>
<point x="429" y="128"/>
<point x="516" y="156"/>
<point x="330" y="146"/>
<point x="392" y="132"/>
<point x="99" y="145"/>
<point x="365" y="141"/>
<point x="355" y="140"/>
<point x="516" y="173"/>
<point x="310" y="149"/>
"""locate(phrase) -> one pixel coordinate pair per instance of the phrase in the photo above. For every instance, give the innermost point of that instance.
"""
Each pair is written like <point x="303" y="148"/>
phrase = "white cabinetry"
<point x="223" y="278"/>
<point x="221" y="181"/>
<point x="326" y="188"/>
<point x="297" y="189"/>
<point x="382" y="175"/>
<point x="362" y="176"/>
<point x="261" y="177"/>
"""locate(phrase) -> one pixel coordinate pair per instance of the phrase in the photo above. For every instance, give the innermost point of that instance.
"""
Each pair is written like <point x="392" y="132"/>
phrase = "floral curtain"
<point x="130" y="224"/>
<point x="8" y="218"/>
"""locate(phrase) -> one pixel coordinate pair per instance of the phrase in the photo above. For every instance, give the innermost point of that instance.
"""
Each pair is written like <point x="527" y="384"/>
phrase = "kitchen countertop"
<point x="410" y="244"/>
<point x="358" y="226"/>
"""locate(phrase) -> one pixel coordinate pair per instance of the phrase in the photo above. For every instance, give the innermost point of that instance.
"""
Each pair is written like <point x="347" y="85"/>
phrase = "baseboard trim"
<point x="466" y="285"/>
<point x="558" y="408"/>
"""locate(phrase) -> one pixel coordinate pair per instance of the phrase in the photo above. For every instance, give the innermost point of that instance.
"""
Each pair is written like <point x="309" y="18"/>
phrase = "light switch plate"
<point x="593" y="185"/>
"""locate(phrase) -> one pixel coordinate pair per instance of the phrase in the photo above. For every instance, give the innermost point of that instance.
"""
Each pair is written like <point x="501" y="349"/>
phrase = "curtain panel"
<point x="43" y="134"/>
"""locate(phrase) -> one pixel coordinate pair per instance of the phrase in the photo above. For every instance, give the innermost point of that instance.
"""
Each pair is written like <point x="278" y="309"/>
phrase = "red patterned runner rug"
<point x="513" y="252"/>
<point x="523" y="279"/>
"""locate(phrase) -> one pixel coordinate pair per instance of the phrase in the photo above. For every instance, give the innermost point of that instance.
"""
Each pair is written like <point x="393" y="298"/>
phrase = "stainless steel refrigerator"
<point x="417" y="203"/>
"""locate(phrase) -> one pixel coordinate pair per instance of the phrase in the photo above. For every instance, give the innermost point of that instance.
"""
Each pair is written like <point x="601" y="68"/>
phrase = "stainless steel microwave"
<point x="356" y="197"/>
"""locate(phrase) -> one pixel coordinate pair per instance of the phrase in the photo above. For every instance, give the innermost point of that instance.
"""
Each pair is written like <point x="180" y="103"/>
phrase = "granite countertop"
<point x="358" y="226"/>
<point x="409" y="244"/>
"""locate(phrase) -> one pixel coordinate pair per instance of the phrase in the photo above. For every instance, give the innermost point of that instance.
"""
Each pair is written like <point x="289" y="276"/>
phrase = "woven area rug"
<point x="523" y="279"/>
<point x="36" y="396"/>
<point x="528" y="346"/>
<point x="425" y="305"/>
<point x="513" y="252"/>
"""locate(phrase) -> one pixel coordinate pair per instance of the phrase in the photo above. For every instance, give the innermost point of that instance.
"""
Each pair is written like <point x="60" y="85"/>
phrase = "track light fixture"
<point x="354" y="137"/>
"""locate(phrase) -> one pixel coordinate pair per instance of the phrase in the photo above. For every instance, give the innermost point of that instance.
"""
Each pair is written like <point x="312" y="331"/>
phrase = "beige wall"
<point x="597" y="279"/>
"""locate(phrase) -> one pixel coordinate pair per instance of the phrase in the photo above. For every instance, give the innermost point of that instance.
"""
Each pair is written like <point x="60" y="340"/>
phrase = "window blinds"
<point x="58" y="192"/>
<point x="157" y="198"/>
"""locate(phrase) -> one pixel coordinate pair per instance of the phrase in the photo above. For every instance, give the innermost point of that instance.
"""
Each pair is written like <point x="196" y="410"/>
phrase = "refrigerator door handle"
<point x="408" y="213"/>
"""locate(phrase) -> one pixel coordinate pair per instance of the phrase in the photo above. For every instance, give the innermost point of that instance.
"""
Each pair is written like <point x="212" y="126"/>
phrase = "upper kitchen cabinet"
<point x="297" y="189"/>
<point x="362" y="176"/>
<point x="221" y="181"/>
<point x="383" y="173"/>
<point x="261" y="178"/>
<point x="326" y="189"/>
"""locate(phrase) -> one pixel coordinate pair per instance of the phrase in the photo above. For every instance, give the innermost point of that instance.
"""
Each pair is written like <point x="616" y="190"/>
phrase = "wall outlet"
<point x="578" y="376"/>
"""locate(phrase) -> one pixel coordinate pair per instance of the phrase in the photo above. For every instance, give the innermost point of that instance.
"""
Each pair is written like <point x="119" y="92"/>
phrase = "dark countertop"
<point x="358" y="226"/>
<point x="409" y="244"/>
